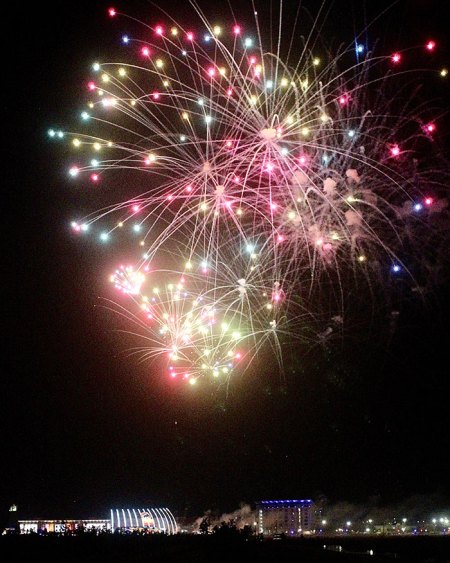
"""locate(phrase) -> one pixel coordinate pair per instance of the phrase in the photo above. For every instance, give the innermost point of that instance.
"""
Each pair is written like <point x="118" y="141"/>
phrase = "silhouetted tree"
<point x="204" y="526"/>
<point x="226" y="530"/>
<point x="247" y="532"/>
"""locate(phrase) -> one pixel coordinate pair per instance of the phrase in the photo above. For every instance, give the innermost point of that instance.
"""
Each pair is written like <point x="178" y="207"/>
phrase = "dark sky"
<point x="85" y="429"/>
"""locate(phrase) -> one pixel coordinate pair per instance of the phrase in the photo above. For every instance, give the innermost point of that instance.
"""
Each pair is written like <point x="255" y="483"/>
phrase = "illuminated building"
<point x="152" y="520"/>
<point x="62" y="526"/>
<point x="290" y="517"/>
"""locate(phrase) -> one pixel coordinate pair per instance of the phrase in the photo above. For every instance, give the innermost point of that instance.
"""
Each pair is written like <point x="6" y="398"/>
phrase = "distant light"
<point x="159" y="30"/>
<point x="396" y="58"/>
<point x="208" y="119"/>
<point x="125" y="39"/>
<point x="217" y="30"/>
<point x="207" y="37"/>
<point x="343" y="100"/>
<point x="94" y="162"/>
<point x="351" y="133"/>
<point x="431" y="45"/>
<point x="428" y="201"/>
<point x="236" y="29"/>
<point x="418" y="207"/>
<point x="316" y="61"/>
<point x="174" y="31"/>
<point x="96" y="67"/>
<point x="91" y="85"/>
<point x="248" y="42"/>
<point x="190" y="36"/>
<point x="359" y="48"/>
<point x="112" y="12"/>
<point x="84" y="115"/>
<point x="430" y="127"/>
<point x="396" y="268"/>
<point x="51" y="132"/>
<point x="104" y="237"/>
<point x="443" y="73"/>
<point x="74" y="171"/>
<point x="60" y="134"/>
<point x="94" y="177"/>
<point x="136" y="228"/>
<point x="145" y="51"/>
<point x="269" y="84"/>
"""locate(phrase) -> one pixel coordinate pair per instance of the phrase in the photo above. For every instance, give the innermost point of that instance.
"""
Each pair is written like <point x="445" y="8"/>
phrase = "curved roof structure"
<point x="159" y="520"/>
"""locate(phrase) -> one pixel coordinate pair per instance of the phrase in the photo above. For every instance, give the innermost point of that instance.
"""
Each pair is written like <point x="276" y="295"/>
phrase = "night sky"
<point x="85" y="428"/>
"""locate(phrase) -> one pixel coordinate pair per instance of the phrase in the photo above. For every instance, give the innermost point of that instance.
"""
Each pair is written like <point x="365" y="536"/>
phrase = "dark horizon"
<point x="85" y="427"/>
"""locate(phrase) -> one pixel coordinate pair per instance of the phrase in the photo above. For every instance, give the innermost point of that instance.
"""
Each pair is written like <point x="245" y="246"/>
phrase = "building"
<point x="290" y="517"/>
<point x="152" y="520"/>
<point x="63" y="526"/>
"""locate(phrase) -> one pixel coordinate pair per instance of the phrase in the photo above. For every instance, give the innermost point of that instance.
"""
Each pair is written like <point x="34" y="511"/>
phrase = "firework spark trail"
<point x="264" y="182"/>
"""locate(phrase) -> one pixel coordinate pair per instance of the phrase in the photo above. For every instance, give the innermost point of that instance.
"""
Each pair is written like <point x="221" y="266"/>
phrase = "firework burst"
<point x="261" y="189"/>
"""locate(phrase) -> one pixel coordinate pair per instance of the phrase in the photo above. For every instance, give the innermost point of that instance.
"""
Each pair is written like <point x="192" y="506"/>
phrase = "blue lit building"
<point x="290" y="517"/>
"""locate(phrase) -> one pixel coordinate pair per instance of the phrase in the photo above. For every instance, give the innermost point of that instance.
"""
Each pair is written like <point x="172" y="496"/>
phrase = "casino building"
<point x="290" y="517"/>
<point x="152" y="520"/>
